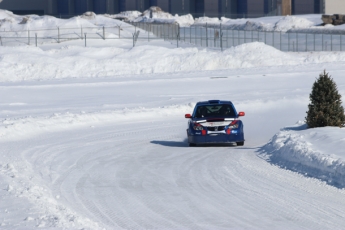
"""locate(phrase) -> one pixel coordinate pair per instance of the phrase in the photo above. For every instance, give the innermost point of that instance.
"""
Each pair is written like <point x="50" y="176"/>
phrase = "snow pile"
<point x="88" y="15"/>
<point x="277" y="23"/>
<point x="251" y="26"/>
<point x="234" y="24"/>
<point x="71" y="61"/>
<point x="208" y="20"/>
<point x="126" y="15"/>
<point x="12" y="22"/>
<point x="156" y="15"/>
<point x="32" y="63"/>
<point x="317" y="152"/>
<point x="290" y="22"/>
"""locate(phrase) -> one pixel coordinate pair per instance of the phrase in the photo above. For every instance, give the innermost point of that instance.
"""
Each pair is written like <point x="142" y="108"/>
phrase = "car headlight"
<point x="197" y="126"/>
<point x="233" y="124"/>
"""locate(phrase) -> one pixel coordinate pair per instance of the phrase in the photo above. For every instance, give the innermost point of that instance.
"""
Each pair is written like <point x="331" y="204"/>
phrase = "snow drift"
<point x="317" y="152"/>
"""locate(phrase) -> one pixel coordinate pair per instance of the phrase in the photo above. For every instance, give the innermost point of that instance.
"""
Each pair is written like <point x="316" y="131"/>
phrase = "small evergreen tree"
<point x="325" y="108"/>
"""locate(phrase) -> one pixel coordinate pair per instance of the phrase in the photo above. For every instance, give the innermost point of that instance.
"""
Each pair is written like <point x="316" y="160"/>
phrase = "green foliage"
<point x="325" y="107"/>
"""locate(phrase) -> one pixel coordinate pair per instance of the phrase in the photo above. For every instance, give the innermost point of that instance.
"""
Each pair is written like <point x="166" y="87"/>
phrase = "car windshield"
<point x="215" y="111"/>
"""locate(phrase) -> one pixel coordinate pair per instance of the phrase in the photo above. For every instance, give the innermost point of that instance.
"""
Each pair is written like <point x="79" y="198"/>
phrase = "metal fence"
<point x="61" y="34"/>
<point x="223" y="38"/>
<point x="215" y="37"/>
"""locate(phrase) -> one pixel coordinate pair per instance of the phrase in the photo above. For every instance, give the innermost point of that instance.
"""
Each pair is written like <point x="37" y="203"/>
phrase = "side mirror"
<point x="188" y="116"/>
<point x="241" y="114"/>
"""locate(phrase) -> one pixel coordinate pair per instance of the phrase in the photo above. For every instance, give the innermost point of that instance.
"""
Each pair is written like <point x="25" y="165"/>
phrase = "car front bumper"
<point x="215" y="138"/>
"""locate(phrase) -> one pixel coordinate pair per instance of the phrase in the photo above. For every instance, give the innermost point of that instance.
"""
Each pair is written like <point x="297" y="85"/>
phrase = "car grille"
<point x="216" y="128"/>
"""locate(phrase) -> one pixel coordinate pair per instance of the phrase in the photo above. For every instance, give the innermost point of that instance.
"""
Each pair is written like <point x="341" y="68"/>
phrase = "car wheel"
<point x="192" y="144"/>
<point x="241" y="143"/>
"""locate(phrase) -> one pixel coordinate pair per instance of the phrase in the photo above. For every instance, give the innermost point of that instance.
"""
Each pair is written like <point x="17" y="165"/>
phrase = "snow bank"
<point x="125" y="15"/>
<point x="21" y="128"/>
<point x="156" y="15"/>
<point x="308" y="23"/>
<point x="289" y="22"/>
<point x="317" y="152"/>
<point x="32" y="63"/>
<point x="208" y="20"/>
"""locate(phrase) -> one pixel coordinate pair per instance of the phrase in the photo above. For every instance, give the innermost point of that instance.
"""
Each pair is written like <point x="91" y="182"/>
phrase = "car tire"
<point x="241" y="143"/>
<point x="192" y="144"/>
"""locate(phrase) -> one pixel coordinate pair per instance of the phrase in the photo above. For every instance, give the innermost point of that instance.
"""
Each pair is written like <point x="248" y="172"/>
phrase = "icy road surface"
<point x="112" y="153"/>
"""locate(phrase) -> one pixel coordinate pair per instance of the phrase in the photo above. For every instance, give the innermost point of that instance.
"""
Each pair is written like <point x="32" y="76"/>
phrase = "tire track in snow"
<point x="143" y="179"/>
<point x="79" y="188"/>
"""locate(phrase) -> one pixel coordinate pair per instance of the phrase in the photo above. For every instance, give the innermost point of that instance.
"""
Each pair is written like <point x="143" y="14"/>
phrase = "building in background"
<point x="198" y="8"/>
<point x="308" y="6"/>
<point x="284" y="7"/>
<point x="28" y="7"/>
<point x="334" y="7"/>
<point x="227" y="8"/>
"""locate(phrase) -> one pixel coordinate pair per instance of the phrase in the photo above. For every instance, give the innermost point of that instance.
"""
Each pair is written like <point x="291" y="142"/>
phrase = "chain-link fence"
<point x="291" y="41"/>
<point x="62" y="34"/>
<point x="215" y="36"/>
<point x="220" y="37"/>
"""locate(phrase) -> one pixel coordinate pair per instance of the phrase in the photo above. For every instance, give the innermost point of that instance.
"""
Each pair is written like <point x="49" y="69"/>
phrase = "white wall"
<point x="334" y="6"/>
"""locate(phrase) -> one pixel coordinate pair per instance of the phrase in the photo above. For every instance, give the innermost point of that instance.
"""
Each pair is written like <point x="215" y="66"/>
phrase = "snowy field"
<point x="95" y="137"/>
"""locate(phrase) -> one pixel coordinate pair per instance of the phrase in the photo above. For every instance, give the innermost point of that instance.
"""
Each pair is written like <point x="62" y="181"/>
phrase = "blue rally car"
<point x="215" y="121"/>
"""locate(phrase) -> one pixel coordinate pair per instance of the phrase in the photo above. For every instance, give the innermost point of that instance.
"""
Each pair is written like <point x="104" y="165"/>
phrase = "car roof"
<point x="213" y="102"/>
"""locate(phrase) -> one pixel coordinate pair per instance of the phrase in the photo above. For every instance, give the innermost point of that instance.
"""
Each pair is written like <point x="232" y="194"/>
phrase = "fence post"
<point x="177" y="39"/>
<point x="288" y="42"/>
<point x="258" y="35"/>
<point x="314" y="41"/>
<point x="190" y="35"/>
<point x="331" y="42"/>
<point x="36" y="38"/>
<point x="233" y="39"/>
<point x="297" y="41"/>
<point x="306" y="42"/>
<point x="273" y="37"/>
<point x="1" y="40"/>
<point x="206" y="36"/>
<point x="58" y="35"/>
<point x="322" y="42"/>
<point x="238" y="33"/>
<point x="85" y="39"/>
<point x="28" y="37"/>
<point x="221" y="37"/>
<point x="168" y="31"/>
<point x="201" y="36"/>
<point x="103" y="33"/>
<point x="341" y="42"/>
<point x="245" y="36"/>
<point x="280" y="40"/>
